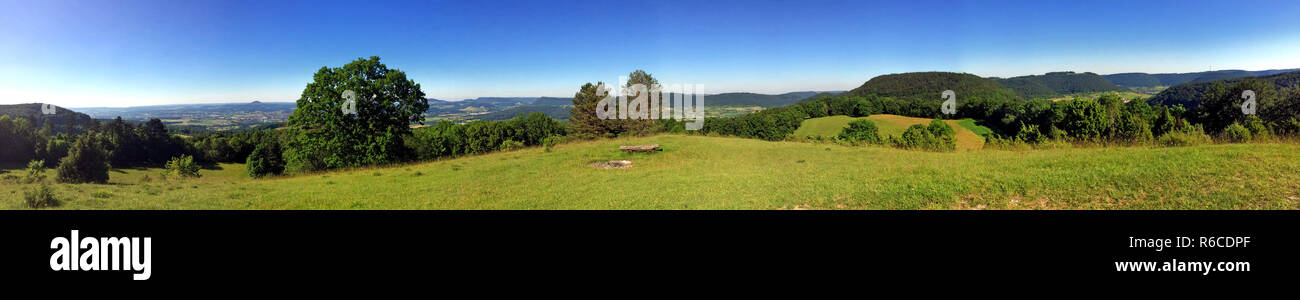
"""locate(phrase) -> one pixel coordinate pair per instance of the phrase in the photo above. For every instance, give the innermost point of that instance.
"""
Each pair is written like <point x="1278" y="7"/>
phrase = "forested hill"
<point x="926" y="86"/>
<point x="1172" y="79"/>
<point x="33" y="111"/>
<point x="1190" y="94"/>
<point x="1058" y="83"/>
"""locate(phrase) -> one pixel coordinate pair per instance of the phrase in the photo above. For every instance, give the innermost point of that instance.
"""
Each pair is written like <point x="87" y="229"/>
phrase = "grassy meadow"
<point x="969" y="135"/>
<point x="699" y="172"/>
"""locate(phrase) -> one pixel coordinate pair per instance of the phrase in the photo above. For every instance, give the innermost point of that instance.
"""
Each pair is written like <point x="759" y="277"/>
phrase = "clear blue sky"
<point x="125" y="53"/>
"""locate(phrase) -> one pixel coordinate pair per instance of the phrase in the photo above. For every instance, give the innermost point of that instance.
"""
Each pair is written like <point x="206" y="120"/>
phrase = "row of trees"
<point x="447" y="139"/>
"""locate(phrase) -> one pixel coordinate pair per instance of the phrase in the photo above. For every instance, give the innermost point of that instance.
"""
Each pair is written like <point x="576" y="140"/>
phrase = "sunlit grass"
<point x="695" y="172"/>
<point x="891" y="125"/>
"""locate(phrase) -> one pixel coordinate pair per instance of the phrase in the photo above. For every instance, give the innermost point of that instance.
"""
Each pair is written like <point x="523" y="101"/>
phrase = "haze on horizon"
<point x="114" y="54"/>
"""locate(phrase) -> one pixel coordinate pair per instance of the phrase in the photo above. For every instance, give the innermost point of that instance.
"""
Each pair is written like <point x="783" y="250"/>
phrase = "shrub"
<point x="1030" y="134"/>
<point x="508" y="145"/>
<point x="102" y="194"/>
<point x="1258" y="130"/>
<point x="181" y="167"/>
<point x="265" y="160"/>
<point x="861" y="131"/>
<point x="550" y="141"/>
<point x="1183" y="138"/>
<point x="86" y="162"/>
<point x="1236" y="133"/>
<point x="1010" y="144"/>
<point x="936" y="137"/>
<point x="35" y="171"/>
<point x="1132" y="129"/>
<point x="1290" y="127"/>
<point x="40" y="197"/>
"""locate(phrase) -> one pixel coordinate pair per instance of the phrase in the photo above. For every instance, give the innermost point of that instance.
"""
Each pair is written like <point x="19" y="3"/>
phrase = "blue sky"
<point x="126" y="53"/>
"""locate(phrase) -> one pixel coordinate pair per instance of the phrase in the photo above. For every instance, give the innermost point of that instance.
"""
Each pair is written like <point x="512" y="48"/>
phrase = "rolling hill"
<point x="926" y="86"/>
<point x="1058" y="83"/>
<point x="33" y="111"/>
<point x="1172" y="79"/>
<point x="1189" y="94"/>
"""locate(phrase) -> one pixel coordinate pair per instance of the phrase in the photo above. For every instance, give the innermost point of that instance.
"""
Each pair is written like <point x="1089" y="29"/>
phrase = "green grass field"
<point x="697" y="172"/>
<point x="969" y="135"/>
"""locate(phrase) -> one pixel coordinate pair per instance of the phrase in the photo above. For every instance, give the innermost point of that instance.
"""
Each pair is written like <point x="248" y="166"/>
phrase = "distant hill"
<point x="1058" y="83"/>
<point x="752" y="99"/>
<point x="558" y="108"/>
<point x="556" y="112"/>
<point x="33" y="111"/>
<point x="176" y="111"/>
<point x="926" y="86"/>
<point x="1189" y="94"/>
<point x="1172" y="79"/>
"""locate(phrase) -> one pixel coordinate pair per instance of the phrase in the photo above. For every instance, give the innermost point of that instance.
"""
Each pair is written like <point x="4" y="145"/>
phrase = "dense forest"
<point x="1057" y="83"/>
<point x="1192" y="94"/>
<point x="1172" y="79"/>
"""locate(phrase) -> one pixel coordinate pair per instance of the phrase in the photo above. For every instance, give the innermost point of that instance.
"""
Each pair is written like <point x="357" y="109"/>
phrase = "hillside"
<point x="926" y="86"/>
<point x="889" y="125"/>
<point x="1058" y="83"/>
<point x="33" y="111"/>
<point x="1189" y="94"/>
<point x="696" y="172"/>
<point x="1172" y="79"/>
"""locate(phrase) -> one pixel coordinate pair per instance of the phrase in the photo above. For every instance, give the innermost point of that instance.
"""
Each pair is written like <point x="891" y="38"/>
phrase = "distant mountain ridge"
<point x="1058" y="83"/>
<point x="1172" y="79"/>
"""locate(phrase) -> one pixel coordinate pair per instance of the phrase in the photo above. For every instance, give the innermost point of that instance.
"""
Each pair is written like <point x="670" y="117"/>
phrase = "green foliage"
<point x="86" y="162"/>
<point x="551" y="141"/>
<point x="1221" y="103"/>
<point x="324" y="137"/>
<point x="936" y="137"/>
<point x="1192" y="136"/>
<point x="584" y="123"/>
<point x="1236" y="133"/>
<point x="40" y="197"/>
<point x="1058" y="83"/>
<point x="1085" y="119"/>
<point x="1290" y="127"/>
<point x="447" y="139"/>
<point x="1030" y="134"/>
<point x="509" y="145"/>
<point x="181" y="167"/>
<point x="1132" y="129"/>
<point x="861" y="131"/>
<point x="35" y="171"/>
<point x="266" y="160"/>
<point x="1191" y="94"/>
<point x="1258" y="130"/>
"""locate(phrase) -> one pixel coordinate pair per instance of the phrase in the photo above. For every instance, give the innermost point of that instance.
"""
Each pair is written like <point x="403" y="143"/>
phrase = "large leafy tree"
<point x="325" y="136"/>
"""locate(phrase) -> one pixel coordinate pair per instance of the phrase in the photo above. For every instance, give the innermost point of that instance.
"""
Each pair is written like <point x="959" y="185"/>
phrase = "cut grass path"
<point x="696" y="172"/>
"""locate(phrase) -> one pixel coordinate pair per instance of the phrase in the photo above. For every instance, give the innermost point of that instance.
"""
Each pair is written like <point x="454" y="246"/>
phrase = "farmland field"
<point x="697" y="172"/>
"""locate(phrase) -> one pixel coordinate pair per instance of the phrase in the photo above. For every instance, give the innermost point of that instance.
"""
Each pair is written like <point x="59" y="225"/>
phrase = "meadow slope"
<point x="893" y="125"/>
<point x="696" y="172"/>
